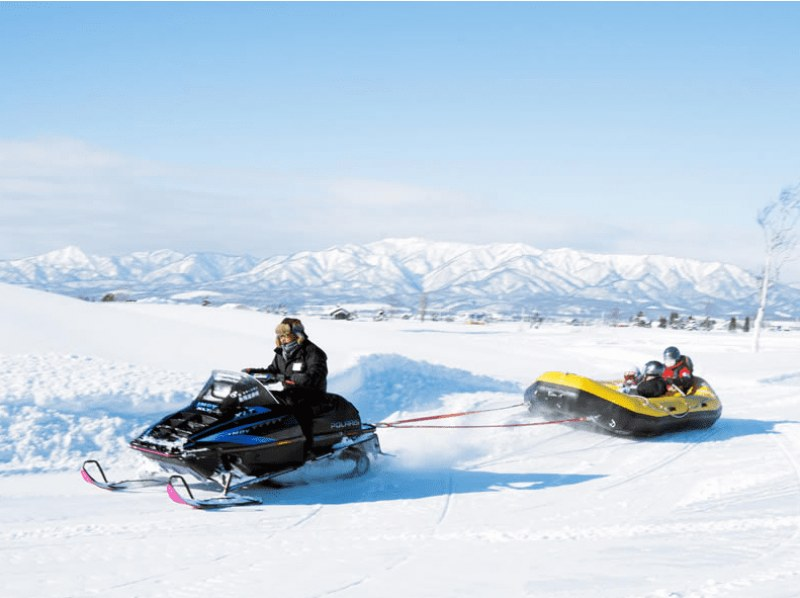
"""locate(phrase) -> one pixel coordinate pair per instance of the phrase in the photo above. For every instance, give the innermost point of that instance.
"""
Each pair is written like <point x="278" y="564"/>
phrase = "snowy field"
<point x="550" y="511"/>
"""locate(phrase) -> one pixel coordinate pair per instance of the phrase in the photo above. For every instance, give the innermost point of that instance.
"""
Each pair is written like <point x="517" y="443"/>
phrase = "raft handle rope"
<point x="685" y="396"/>
<point x="403" y="423"/>
<point x="669" y="411"/>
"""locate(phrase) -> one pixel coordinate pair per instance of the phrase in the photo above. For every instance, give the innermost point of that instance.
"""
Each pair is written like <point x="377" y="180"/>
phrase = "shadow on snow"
<point x="395" y="484"/>
<point x="725" y="428"/>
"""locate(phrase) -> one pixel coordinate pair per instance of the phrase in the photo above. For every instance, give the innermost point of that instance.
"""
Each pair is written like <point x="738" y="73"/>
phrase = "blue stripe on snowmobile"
<point x="237" y="435"/>
<point x="238" y="439"/>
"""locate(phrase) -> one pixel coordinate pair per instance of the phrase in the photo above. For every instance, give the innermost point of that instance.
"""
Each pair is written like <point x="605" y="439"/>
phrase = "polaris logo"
<point x="348" y="423"/>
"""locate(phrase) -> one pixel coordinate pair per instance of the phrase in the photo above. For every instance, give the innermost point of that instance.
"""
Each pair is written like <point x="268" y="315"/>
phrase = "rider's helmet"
<point x="632" y="375"/>
<point x="653" y="368"/>
<point x="671" y="356"/>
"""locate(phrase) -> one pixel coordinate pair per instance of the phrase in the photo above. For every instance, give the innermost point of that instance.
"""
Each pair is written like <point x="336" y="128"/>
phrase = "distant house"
<point x="477" y="318"/>
<point x="341" y="314"/>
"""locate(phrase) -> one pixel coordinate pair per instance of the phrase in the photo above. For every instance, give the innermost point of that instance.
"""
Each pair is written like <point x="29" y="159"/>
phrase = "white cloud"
<point x="62" y="170"/>
<point x="389" y="194"/>
<point x="57" y="157"/>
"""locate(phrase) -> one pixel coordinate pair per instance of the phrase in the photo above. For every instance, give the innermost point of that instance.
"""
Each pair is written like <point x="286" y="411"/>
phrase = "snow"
<point x="550" y="511"/>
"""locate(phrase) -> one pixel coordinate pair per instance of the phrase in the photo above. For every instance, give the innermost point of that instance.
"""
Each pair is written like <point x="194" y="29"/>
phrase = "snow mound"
<point x="59" y="409"/>
<point x="380" y="385"/>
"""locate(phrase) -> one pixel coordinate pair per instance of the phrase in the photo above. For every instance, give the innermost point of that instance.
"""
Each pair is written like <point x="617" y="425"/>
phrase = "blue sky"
<point x="267" y="128"/>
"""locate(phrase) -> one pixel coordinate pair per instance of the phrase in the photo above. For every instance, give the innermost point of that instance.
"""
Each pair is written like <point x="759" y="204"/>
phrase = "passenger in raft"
<point x="649" y="384"/>
<point x="631" y="378"/>
<point x="652" y="383"/>
<point x="678" y="370"/>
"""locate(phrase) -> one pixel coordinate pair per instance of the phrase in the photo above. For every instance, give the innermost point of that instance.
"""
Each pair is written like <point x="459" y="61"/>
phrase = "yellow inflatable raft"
<point x="565" y="395"/>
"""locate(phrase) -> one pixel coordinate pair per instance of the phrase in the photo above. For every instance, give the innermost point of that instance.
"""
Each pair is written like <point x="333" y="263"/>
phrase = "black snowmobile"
<point x="237" y="433"/>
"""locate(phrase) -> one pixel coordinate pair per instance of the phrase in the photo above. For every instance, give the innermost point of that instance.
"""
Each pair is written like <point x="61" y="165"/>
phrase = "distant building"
<point x="341" y="314"/>
<point x="477" y="318"/>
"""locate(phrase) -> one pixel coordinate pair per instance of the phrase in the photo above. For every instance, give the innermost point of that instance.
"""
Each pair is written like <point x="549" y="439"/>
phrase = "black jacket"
<point x="652" y="387"/>
<point x="306" y="369"/>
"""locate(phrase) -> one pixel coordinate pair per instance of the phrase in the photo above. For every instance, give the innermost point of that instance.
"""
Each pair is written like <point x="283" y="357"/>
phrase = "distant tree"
<point x="423" y="305"/>
<point x="746" y="325"/>
<point x="777" y="221"/>
<point x="674" y="320"/>
<point x="662" y="322"/>
<point x="108" y="297"/>
<point x="640" y="320"/>
<point x="732" y="324"/>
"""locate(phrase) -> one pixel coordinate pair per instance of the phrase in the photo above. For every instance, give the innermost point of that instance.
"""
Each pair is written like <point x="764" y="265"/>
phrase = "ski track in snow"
<point x="198" y="582"/>
<point x="409" y="554"/>
<point x="681" y="451"/>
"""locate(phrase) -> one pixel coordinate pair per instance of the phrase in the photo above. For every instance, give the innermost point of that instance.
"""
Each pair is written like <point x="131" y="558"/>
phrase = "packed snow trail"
<point x="551" y="511"/>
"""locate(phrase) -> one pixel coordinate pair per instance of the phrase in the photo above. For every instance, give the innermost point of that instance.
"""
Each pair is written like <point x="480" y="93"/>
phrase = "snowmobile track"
<point x="448" y="501"/>
<point x="684" y="449"/>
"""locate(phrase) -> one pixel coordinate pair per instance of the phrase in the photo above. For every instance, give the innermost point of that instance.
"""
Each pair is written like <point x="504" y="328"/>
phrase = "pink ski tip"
<point x="173" y="494"/>
<point x="85" y="474"/>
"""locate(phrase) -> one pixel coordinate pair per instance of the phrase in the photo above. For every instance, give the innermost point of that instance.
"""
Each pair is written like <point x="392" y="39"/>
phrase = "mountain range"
<point x="403" y="274"/>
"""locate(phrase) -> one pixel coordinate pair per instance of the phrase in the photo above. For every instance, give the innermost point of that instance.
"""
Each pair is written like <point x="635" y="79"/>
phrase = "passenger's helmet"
<point x="653" y="368"/>
<point x="632" y="375"/>
<point x="671" y="356"/>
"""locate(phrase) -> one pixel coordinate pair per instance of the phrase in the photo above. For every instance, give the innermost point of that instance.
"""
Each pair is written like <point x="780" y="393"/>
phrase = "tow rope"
<point x="555" y="421"/>
<point x="403" y="423"/>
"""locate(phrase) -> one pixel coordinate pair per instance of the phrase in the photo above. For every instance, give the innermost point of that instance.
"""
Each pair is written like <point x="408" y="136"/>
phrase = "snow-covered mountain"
<point x="398" y="273"/>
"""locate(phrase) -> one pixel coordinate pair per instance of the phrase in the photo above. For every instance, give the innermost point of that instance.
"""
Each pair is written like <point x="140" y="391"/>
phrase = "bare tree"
<point x="778" y="221"/>
<point x="423" y="305"/>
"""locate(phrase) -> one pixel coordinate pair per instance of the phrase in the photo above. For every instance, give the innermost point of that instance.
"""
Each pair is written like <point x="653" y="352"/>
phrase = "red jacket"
<point x="680" y="374"/>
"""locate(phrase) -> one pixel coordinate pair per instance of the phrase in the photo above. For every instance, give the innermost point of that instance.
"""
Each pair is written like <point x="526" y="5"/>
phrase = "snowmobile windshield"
<point x="228" y="388"/>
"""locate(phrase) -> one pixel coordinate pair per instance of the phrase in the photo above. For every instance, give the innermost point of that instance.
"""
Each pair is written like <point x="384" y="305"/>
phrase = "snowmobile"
<point x="238" y="433"/>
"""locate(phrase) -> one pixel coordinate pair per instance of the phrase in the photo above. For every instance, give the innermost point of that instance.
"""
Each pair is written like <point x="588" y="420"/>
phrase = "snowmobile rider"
<point x="678" y="370"/>
<point x="653" y="383"/>
<point x="302" y="367"/>
<point x="298" y="363"/>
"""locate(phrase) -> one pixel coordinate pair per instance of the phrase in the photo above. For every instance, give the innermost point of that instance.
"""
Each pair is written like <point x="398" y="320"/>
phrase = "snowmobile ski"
<point x="215" y="502"/>
<point x="179" y="490"/>
<point x="115" y="485"/>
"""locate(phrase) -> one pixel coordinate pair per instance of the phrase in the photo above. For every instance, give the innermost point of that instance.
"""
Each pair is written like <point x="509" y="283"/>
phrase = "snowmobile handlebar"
<point x="267" y="378"/>
<point x="263" y="376"/>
